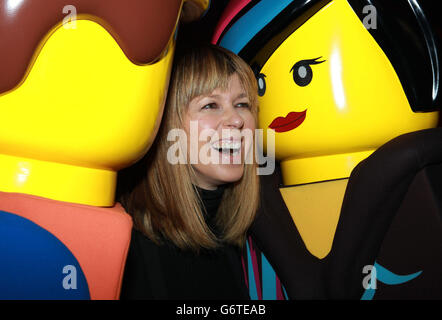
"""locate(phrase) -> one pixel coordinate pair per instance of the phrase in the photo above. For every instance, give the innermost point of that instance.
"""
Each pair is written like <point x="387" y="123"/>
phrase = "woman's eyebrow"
<point x="217" y="96"/>
<point x="242" y="95"/>
<point x="209" y="96"/>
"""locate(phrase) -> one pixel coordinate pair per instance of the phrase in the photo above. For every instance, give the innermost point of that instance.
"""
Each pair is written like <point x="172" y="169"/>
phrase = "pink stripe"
<point x="245" y="271"/>
<point x="279" y="293"/>
<point x="232" y="9"/>
<point x="255" y="269"/>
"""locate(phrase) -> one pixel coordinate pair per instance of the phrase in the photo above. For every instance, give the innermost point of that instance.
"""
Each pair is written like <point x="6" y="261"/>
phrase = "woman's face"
<point x="220" y="128"/>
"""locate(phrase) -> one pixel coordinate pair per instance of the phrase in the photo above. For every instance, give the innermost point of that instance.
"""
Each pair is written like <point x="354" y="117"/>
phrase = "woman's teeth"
<point x="227" y="146"/>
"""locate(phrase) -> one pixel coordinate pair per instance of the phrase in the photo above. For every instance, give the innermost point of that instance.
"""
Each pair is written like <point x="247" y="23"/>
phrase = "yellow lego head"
<point x="82" y="91"/>
<point x="326" y="86"/>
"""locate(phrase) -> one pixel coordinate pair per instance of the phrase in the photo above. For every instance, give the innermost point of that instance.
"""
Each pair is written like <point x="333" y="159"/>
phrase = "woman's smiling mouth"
<point x="227" y="146"/>
<point x="290" y="122"/>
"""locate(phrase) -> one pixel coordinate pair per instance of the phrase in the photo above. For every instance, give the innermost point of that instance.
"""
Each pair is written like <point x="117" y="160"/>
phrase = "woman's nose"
<point x="233" y="119"/>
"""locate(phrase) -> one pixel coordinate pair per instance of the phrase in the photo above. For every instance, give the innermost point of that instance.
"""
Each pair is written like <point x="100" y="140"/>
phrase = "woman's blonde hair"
<point x="165" y="204"/>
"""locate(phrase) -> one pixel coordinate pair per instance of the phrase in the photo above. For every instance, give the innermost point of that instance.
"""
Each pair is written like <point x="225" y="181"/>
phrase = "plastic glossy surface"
<point x="89" y="103"/>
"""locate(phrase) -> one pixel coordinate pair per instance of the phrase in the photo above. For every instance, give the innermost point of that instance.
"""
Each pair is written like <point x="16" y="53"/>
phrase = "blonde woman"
<point x="191" y="215"/>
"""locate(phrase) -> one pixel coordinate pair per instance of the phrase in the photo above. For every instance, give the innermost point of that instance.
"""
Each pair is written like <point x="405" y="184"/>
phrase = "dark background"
<point x="201" y="31"/>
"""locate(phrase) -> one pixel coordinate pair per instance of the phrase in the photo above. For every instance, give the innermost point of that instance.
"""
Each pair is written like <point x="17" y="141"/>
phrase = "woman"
<point x="191" y="216"/>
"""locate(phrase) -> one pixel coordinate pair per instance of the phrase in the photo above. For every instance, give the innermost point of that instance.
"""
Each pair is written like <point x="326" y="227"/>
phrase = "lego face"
<point x="82" y="91"/>
<point x="84" y="102"/>
<point x="329" y="89"/>
<point x="83" y="111"/>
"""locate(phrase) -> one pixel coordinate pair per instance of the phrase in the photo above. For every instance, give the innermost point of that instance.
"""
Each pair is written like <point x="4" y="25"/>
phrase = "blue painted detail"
<point x="368" y="294"/>
<point x="385" y="276"/>
<point x="268" y="280"/>
<point x="391" y="278"/>
<point x="253" y="21"/>
<point x="253" y="291"/>
<point x="33" y="261"/>
<point x="284" y="292"/>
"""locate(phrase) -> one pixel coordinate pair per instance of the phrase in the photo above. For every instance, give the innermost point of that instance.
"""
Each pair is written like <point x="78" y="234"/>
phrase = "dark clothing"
<point x="166" y="272"/>
<point x="391" y="216"/>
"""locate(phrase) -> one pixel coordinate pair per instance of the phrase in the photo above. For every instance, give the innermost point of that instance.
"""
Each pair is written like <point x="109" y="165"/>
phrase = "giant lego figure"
<point x="337" y="80"/>
<point x="82" y="89"/>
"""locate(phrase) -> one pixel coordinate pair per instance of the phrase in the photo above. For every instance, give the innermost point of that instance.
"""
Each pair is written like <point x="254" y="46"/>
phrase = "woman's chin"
<point x="219" y="174"/>
<point x="230" y="173"/>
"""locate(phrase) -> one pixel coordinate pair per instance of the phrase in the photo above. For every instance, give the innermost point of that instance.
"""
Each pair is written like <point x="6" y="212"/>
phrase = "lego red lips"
<point x="290" y="122"/>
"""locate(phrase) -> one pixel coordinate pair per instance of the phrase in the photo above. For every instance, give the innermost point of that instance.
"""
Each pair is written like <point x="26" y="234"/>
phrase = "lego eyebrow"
<point x="307" y="62"/>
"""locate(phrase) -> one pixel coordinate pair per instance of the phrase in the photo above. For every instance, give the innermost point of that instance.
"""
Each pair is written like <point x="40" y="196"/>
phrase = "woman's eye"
<point x="261" y="84"/>
<point x="209" y="106"/>
<point x="243" y="105"/>
<point x="302" y="72"/>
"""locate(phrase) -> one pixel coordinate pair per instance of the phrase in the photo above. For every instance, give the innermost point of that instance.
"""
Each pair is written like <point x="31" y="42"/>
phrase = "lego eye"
<point x="261" y="84"/>
<point x="302" y="72"/>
